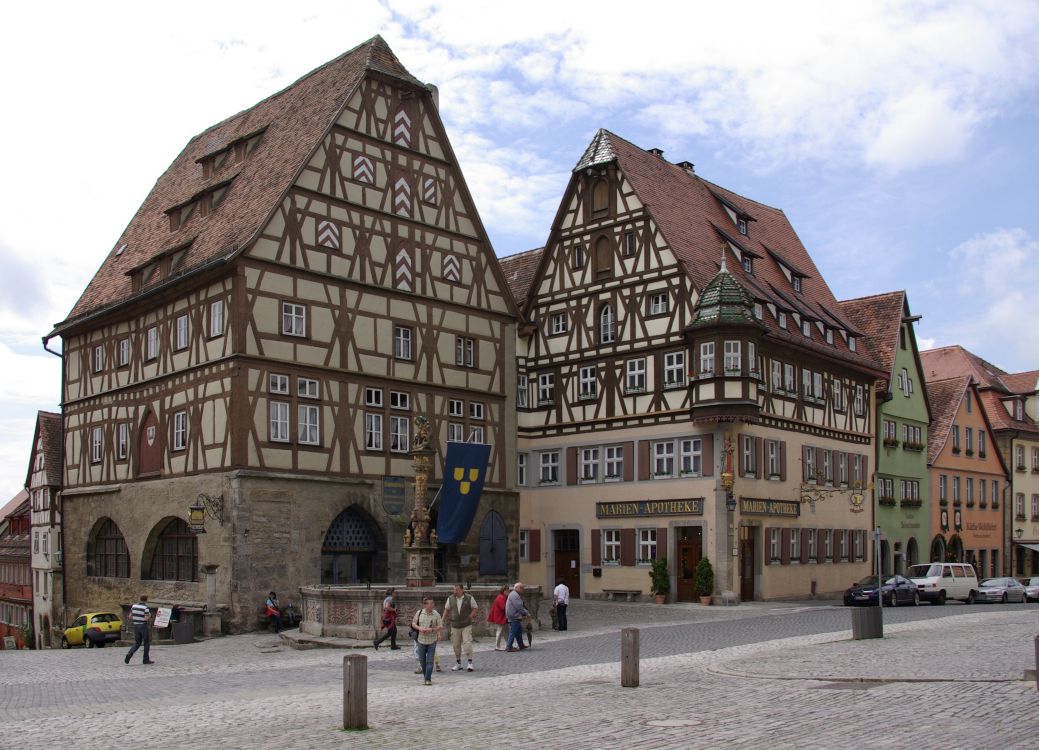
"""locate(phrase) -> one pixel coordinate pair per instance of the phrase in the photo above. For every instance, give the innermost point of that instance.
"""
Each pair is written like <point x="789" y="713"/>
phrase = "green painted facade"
<point x="902" y="509"/>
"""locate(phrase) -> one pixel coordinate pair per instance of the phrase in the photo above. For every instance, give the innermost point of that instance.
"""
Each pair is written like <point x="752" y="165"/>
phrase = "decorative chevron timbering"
<point x="402" y="197"/>
<point x="364" y="170"/>
<point x="429" y="191"/>
<point x="328" y="234"/>
<point x="402" y="273"/>
<point x="451" y="269"/>
<point x="402" y="128"/>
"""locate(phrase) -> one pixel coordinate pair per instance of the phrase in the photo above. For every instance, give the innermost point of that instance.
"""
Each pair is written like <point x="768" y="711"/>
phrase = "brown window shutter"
<point x="865" y="471"/>
<point x="571" y="465"/>
<point x="784" y="546"/>
<point x="707" y="448"/>
<point x="804" y="544"/>
<point x="662" y="542"/>
<point x="782" y="460"/>
<point x="627" y="546"/>
<point x="758" y="463"/>
<point x="741" y="468"/>
<point x="820" y="545"/>
<point x="596" y="547"/>
<point x="804" y="462"/>
<point x="629" y="461"/>
<point x="643" y="459"/>
<point x="767" y="544"/>
<point x="535" y="545"/>
<point x="819" y="476"/>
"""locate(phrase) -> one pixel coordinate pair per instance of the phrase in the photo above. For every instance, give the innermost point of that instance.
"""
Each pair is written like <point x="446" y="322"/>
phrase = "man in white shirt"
<point x="460" y="612"/>
<point x="561" y="600"/>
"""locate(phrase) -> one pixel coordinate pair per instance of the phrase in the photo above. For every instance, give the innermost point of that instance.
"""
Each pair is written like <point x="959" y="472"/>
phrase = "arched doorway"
<point x="955" y="550"/>
<point x="493" y="546"/>
<point x="348" y="552"/>
<point x="912" y="556"/>
<point x="938" y="549"/>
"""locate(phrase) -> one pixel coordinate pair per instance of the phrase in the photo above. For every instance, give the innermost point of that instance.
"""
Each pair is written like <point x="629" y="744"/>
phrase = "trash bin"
<point x="867" y="622"/>
<point x="183" y="632"/>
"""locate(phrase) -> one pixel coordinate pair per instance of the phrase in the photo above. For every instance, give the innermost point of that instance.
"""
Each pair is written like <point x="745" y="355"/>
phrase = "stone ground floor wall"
<point x="268" y="536"/>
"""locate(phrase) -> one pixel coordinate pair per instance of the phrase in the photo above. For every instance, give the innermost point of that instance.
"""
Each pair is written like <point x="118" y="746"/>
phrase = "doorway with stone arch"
<point x="350" y="550"/>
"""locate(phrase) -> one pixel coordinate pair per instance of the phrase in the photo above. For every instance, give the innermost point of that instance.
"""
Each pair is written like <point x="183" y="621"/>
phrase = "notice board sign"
<point x="162" y="617"/>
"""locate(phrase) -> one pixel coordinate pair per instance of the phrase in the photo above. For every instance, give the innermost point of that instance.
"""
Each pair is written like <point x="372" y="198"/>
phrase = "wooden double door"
<point x="688" y="551"/>
<point x="566" y="546"/>
<point x="748" y="545"/>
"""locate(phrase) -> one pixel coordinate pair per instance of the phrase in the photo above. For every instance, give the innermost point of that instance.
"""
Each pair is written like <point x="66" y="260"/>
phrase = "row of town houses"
<point x="670" y="376"/>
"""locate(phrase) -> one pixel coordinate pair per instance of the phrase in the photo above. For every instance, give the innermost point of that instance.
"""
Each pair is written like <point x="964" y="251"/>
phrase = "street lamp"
<point x="1019" y="533"/>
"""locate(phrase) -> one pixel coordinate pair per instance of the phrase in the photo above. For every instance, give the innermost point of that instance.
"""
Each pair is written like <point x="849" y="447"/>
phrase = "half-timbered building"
<point x="686" y="380"/>
<point x="305" y="279"/>
<point x="43" y="483"/>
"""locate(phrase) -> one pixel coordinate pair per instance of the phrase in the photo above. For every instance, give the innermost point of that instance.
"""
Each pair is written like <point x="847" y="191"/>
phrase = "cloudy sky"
<point x="900" y="138"/>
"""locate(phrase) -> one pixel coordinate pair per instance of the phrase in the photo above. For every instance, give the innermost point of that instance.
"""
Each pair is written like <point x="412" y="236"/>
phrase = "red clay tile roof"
<point x="519" y="271"/>
<point x="293" y="122"/>
<point x="1022" y="382"/>
<point x="946" y="396"/>
<point x="14" y="505"/>
<point x="48" y="425"/>
<point x="689" y="212"/>
<point x="879" y="317"/>
<point x="1000" y="416"/>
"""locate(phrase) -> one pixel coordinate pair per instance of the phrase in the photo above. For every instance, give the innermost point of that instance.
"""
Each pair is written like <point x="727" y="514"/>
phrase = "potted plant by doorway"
<point x="660" y="579"/>
<point x="704" y="580"/>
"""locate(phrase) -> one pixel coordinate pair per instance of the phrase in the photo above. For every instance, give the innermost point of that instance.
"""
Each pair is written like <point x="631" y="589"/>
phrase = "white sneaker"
<point x="457" y="667"/>
<point x="469" y="668"/>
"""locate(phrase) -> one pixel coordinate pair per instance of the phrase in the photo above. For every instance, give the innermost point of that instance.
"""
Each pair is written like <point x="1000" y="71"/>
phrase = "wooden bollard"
<point x="355" y="691"/>
<point x="630" y="657"/>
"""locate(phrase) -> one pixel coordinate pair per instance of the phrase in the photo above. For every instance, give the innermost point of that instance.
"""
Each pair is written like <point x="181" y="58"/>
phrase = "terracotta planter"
<point x="705" y="600"/>
<point x="661" y="598"/>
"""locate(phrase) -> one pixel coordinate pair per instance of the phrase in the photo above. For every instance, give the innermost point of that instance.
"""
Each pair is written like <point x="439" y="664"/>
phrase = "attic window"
<point x="578" y="256"/>
<point x="1019" y="411"/>
<point x="781" y="319"/>
<point x="795" y="281"/>
<point x="852" y="343"/>
<point x="748" y="264"/>
<point x="806" y="327"/>
<point x="829" y="336"/>
<point x="741" y="224"/>
<point x="759" y="311"/>
<point x="902" y="337"/>
<point x="629" y="244"/>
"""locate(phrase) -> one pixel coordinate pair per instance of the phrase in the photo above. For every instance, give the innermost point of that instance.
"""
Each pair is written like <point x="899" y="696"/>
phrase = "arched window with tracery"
<point x="107" y="556"/>
<point x="174" y="553"/>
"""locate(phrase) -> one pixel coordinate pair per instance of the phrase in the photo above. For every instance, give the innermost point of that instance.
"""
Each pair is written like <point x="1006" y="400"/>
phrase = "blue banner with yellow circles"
<point x="464" y="469"/>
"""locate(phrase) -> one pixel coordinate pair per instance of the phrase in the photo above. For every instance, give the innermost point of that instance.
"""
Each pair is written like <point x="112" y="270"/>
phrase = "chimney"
<point x="434" y="93"/>
<point x="656" y="152"/>
<point x="687" y="166"/>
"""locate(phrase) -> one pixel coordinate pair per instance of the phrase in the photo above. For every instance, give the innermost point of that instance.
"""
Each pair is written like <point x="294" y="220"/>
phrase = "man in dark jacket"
<point x="515" y="612"/>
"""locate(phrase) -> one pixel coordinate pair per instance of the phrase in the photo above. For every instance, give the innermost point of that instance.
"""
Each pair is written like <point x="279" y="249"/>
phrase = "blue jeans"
<point x="561" y="615"/>
<point x="140" y="635"/>
<point x="426" y="652"/>
<point x="515" y="634"/>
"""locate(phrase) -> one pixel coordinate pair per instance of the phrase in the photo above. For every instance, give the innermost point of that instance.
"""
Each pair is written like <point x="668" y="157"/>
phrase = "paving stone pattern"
<point x="787" y="675"/>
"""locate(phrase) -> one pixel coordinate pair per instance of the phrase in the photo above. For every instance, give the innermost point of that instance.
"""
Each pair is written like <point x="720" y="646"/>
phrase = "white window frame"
<point x="522" y="391"/>
<point x="548" y="467"/>
<point x="96" y="445"/>
<point x="589" y="464"/>
<point x="658" y="303"/>
<point x="372" y="431"/>
<point x="122" y="440"/>
<point x="465" y="348"/>
<point x="181" y="333"/>
<point x="524" y="545"/>
<point x="790" y="379"/>
<point x="663" y="452"/>
<point x="216" y="318"/>
<point x="151" y="343"/>
<point x="706" y="358"/>
<point x="611" y="546"/>
<point x="400" y="434"/>
<point x="813" y="546"/>
<point x="613" y="463"/>
<point x="750" y="461"/>
<point x="476" y="410"/>
<point x="546" y="388"/>
<point x="455" y="407"/>
<point x="828" y="544"/>
<point x="521" y="469"/>
<point x="777" y="376"/>
<point x="277" y="383"/>
<point x="308" y="388"/>
<point x="99" y="358"/>
<point x="402" y="343"/>
<point x="400" y="400"/>
<point x="842" y="468"/>
<point x="647" y="546"/>
<point x="278" y="421"/>
<point x="476" y="434"/>
<point x="124" y="352"/>
<point x="373" y="397"/>
<point x="674" y="369"/>
<point x="772" y="451"/>
<point x="587" y="382"/>
<point x="860" y="400"/>
<point x="607" y="325"/>
<point x="629" y="244"/>
<point x="690" y="456"/>
<point x="733" y="357"/>
<point x="795" y="545"/>
<point x="293" y="319"/>
<point x="558" y="323"/>
<point x="309" y="423"/>
<point x="774" y="541"/>
<point x="455" y="432"/>
<point x="635" y="375"/>
<point x="180" y="430"/>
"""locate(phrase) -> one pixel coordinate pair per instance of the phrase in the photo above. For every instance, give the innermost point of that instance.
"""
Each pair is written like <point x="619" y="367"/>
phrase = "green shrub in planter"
<point x="659" y="577"/>
<point x="704" y="577"/>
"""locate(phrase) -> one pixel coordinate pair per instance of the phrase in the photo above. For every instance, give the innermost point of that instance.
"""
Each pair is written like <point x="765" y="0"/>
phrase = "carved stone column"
<point x="420" y="542"/>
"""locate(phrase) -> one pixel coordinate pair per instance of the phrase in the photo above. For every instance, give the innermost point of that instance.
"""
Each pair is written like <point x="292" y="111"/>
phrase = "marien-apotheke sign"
<point x="752" y="506"/>
<point x="693" y="507"/>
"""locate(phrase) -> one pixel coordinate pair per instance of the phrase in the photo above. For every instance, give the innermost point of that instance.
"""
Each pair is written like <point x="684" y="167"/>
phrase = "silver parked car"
<point x="1001" y="590"/>
<point x="1031" y="588"/>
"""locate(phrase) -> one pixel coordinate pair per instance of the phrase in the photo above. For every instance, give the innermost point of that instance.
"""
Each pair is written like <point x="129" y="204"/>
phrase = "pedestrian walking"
<point x="429" y="624"/>
<point x="389" y="621"/>
<point x="515" y="611"/>
<point x="273" y="611"/>
<point x="497" y="618"/>
<point x="561" y="601"/>
<point x="140" y="614"/>
<point x="460" y="612"/>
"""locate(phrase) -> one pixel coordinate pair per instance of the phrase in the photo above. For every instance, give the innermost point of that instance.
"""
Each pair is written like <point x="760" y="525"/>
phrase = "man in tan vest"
<point x="460" y="612"/>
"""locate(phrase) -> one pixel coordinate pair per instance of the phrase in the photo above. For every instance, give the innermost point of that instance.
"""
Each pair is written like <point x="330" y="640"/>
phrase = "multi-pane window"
<point x="852" y="343"/>
<point x="773" y="544"/>
<point x="759" y="310"/>
<point x="750" y="462"/>
<point x="151" y="343"/>
<point x="475" y="410"/>
<point x="747" y="262"/>
<point x="279" y="384"/>
<point x="968" y="439"/>
<point x="658" y="303"/>
<point x="955" y="490"/>
<point x="400" y="434"/>
<point x="589" y="464"/>
<point x="777" y="375"/>
<point x="99" y="358"/>
<point x="549" y="469"/>
<point x="943" y="489"/>
<point x="124" y="352"/>
<point x="981" y="493"/>
<point x="664" y="458"/>
<point x="400" y="400"/>
<point x="838" y="396"/>
<point x="279" y="419"/>
<point x="635" y="379"/>
<point x="956" y="440"/>
<point x="828" y="466"/>
<point x="732" y="356"/>
<point x="607" y="325"/>
<point x="789" y="379"/>
<point x="860" y="537"/>
<point x="546" y="388"/>
<point x="611" y="546"/>
<point x="455" y="432"/>
<point x="796" y="283"/>
<point x="558" y="323"/>
<point x="180" y="430"/>
<point x="455" y="407"/>
<point x="860" y="401"/>
<point x="647" y="545"/>
<point x="96" y="437"/>
<point x="690" y="454"/>
<point x="1019" y="453"/>
<point x="843" y="537"/>
<point x="373" y="431"/>
<point x="795" y="545"/>
<point x="1035" y="457"/>
<point x="707" y="358"/>
<point x="781" y="319"/>
<point x="122" y="440"/>
<point x="629" y="244"/>
<point x="614" y="460"/>
<point x="1019" y="506"/>
<point x="809" y="462"/>
<point x="373" y="397"/>
<point x="464" y="351"/>
<point x="293" y="319"/>
<point x="970" y="492"/>
<point x="842" y="468"/>
<point x="521" y="391"/>
<point x="181" y="333"/>
<point x="216" y="318"/>
<point x="806" y="327"/>
<point x="524" y="545"/>
<point x="772" y="453"/>
<point x="401" y="342"/>
<point x="890" y="430"/>
<point x="829" y="336"/>
<point x="107" y="555"/>
<point x="587" y="381"/>
<point x="817" y="385"/>
<point x="752" y="358"/>
<point x="307" y="388"/>
<point x="813" y="552"/>
<point x="521" y="469"/>
<point x="476" y="434"/>
<point x="828" y="544"/>
<point x="1035" y="507"/>
<point x="806" y="383"/>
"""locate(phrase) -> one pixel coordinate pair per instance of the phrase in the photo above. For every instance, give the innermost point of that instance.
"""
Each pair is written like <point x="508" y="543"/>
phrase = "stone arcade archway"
<point x="350" y="551"/>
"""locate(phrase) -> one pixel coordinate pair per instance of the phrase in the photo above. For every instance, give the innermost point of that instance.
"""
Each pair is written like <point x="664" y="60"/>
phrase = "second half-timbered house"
<point x="305" y="279"/>
<point x="687" y="387"/>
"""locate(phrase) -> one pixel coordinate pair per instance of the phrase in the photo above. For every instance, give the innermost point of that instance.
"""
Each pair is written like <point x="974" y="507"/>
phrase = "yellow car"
<point x="94" y="629"/>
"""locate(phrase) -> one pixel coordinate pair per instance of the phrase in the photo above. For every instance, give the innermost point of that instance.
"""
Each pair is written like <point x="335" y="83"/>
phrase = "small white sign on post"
<point x="162" y="617"/>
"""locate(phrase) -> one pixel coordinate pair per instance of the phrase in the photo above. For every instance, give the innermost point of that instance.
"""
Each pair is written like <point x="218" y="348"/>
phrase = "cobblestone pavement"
<point x="785" y="674"/>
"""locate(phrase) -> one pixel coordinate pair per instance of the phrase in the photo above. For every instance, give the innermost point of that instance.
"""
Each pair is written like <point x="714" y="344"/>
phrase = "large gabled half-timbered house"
<point x="305" y="279"/>
<point x="685" y="380"/>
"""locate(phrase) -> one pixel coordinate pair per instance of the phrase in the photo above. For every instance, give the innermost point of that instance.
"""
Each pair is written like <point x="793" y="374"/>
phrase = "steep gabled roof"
<point x="946" y="397"/>
<point x="689" y="211"/>
<point x="519" y="271"/>
<point x="48" y="427"/>
<point x="1022" y="382"/>
<point x="292" y="123"/>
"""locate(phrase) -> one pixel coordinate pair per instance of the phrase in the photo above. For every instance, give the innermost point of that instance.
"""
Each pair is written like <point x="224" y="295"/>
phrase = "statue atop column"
<point x="421" y="545"/>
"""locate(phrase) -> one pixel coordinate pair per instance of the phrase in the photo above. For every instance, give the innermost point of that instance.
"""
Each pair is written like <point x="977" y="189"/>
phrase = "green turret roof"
<point x="723" y="301"/>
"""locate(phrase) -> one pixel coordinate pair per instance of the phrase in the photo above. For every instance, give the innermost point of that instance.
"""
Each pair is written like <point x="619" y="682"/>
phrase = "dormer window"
<point x="748" y="264"/>
<point x="796" y="282"/>
<point x="1019" y="411"/>
<point x="829" y="336"/>
<point x="852" y="345"/>
<point x="759" y="311"/>
<point x="781" y="319"/>
<point x="806" y="327"/>
<point x="741" y="224"/>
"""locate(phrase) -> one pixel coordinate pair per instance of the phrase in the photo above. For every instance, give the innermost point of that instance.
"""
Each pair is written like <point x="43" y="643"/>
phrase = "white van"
<point x="938" y="582"/>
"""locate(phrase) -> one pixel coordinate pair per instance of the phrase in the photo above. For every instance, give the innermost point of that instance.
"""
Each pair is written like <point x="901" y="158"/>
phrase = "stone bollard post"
<point x="355" y="691"/>
<point x="630" y="657"/>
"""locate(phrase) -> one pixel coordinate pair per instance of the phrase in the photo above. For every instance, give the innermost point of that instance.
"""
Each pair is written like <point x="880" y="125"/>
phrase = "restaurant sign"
<point x="751" y="506"/>
<point x="693" y="507"/>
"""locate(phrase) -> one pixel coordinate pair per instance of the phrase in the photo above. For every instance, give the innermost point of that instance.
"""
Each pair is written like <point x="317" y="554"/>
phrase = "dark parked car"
<point x="1001" y="590"/>
<point x="897" y="590"/>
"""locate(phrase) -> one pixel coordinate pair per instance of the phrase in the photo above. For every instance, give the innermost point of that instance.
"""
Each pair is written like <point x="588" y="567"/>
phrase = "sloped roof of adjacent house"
<point x="519" y="271"/>
<point x="292" y="122"/>
<point x="1022" y="382"/>
<point x="691" y="214"/>
<point x="13" y="506"/>
<point x="49" y="428"/>
<point x="946" y="397"/>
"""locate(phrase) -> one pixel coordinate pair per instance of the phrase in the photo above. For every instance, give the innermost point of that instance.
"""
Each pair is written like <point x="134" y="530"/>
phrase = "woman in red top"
<point x="497" y="617"/>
